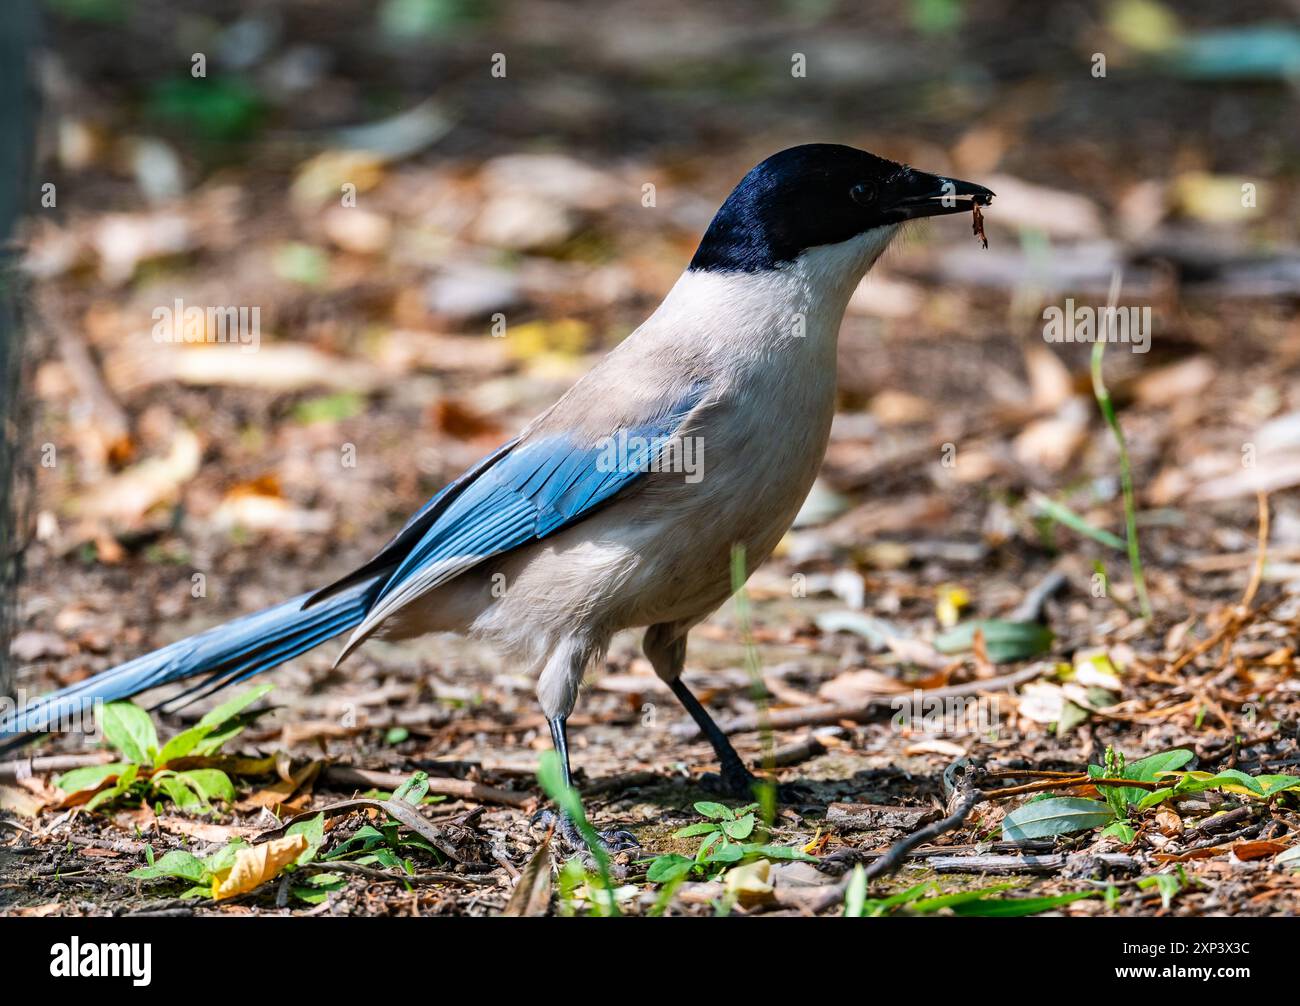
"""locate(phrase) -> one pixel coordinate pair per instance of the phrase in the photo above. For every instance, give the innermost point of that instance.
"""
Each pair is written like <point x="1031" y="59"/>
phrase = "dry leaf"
<point x="1246" y="851"/>
<point x="532" y="894"/>
<point x="257" y="865"/>
<point x="20" y="802"/>
<point x="282" y="793"/>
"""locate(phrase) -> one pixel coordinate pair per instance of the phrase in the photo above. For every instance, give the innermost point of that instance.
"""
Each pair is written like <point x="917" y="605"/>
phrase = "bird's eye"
<point x="864" y="193"/>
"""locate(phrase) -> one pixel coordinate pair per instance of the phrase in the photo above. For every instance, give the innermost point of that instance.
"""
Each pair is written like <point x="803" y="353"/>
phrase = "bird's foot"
<point x="612" y="841"/>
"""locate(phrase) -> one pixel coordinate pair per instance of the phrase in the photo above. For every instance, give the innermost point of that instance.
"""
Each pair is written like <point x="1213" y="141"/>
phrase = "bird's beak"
<point x="918" y="194"/>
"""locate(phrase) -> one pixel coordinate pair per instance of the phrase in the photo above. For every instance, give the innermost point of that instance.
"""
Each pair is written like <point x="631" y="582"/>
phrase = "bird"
<point x="621" y="506"/>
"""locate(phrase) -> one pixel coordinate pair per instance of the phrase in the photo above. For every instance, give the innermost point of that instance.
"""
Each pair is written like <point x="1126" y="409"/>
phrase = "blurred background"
<point x="443" y="211"/>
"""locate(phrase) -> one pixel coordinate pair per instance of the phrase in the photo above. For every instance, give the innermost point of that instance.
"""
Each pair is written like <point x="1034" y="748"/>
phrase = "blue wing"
<point x="534" y="490"/>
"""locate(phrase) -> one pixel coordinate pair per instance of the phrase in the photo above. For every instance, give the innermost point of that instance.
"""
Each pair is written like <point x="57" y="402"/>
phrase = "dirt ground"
<point x="191" y="484"/>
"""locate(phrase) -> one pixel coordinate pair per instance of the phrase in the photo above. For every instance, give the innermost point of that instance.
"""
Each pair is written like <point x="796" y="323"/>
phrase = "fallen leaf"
<point x="532" y="894"/>
<point x="1247" y="851"/>
<point x="257" y="865"/>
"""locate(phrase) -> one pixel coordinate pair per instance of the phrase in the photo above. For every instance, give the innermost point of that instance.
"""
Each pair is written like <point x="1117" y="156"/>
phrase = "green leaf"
<point x="224" y="858"/>
<point x="1060" y="815"/>
<point x="220" y="108"/>
<point x="724" y="853"/>
<point x="714" y="811"/>
<point x="313" y="829"/>
<point x="1166" y="883"/>
<point x="739" y="829"/>
<point x="317" y="888"/>
<point x="1012" y="908"/>
<point x="550" y="773"/>
<point x="1148" y="769"/>
<point x="230" y="709"/>
<point x="216" y="728"/>
<point x="176" y="863"/>
<point x="666" y="869"/>
<point x="1003" y="641"/>
<point x="210" y="784"/>
<point x="1156" y="796"/>
<point x="185" y="796"/>
<point x="1062" y="514"/>
<point x="215" y="741"/>
<point x="904" y="897"/>
<point x="90" y="777"/>
<point x="1228" y="777"/>
<point x="414" y="789"/>
<point x="855" y="897"/>
<point x="1274" y="784"/>
<point x="131" y="732"/>
<point x="957" y="898"/>
<point x="699" y="828"/>
<point x="182" y="744"/>
<point x="124" y="782"/>
<point x="1121" y="830"/>
<point x="778" y="852"/>
<point x="364" y="839"/>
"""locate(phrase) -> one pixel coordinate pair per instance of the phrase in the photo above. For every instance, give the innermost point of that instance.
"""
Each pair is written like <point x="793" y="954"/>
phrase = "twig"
<point x="893" y="859"/>
<point x="1059" y="783"/>
<point x="898" y="852"/>
<point x="792" y="754"/>
<point x="1030" y="608"/>
<point x="1257" y="574"/>
<point x="342" y="775"/>
<point x="23" y="768"/>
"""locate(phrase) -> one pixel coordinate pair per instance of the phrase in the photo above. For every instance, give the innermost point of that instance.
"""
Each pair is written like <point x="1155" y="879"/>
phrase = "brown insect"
<point x="977" y="224"/>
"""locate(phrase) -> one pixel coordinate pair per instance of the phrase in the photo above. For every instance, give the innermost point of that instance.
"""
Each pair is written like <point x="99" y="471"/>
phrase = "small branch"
<point x="893" y="859"/>
<point x="23" y="768"/>
<point x="347" y="777"/>
<point x="1058" y="783"/>
<point x="1257" y="574"/>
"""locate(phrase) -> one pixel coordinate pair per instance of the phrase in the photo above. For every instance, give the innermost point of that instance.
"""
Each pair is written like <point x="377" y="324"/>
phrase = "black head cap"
<point x="821" y="194"/>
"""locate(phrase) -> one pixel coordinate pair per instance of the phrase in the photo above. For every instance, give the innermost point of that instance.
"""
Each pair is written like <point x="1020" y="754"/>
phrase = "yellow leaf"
<point x="258" y="865"/>
<point x="952" y="599"/>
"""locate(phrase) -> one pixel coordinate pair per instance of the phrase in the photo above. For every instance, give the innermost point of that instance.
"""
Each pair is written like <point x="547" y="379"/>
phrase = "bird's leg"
<point x="614" y="840"/>
<point x="738" y="779"/>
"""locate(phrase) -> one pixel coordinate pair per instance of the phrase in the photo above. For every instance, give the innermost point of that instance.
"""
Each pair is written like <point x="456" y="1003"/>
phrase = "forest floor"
<point x="967" y="534"/>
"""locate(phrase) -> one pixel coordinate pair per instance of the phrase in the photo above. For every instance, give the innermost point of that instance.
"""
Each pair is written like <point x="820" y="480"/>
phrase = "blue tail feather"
<point x="224" y="654"/>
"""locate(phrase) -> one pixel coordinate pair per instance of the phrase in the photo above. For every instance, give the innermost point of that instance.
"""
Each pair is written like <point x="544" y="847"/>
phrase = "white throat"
<point x="755" y="313"/>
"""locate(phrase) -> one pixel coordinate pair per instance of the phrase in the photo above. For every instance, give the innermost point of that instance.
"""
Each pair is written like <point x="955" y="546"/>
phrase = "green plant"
<point x="148" y="771"/>
<point x="1102" y="394"/>
<point x="722" y="845"/>
<point x="600" y="887"/>
<point x="928" y="898"/>
<point x="300" y="846"/>
<point x="1048" y="816"/>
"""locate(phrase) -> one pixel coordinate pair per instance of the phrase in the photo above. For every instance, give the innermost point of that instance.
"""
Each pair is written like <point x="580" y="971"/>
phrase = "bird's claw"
<point x="612" y="841"/>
